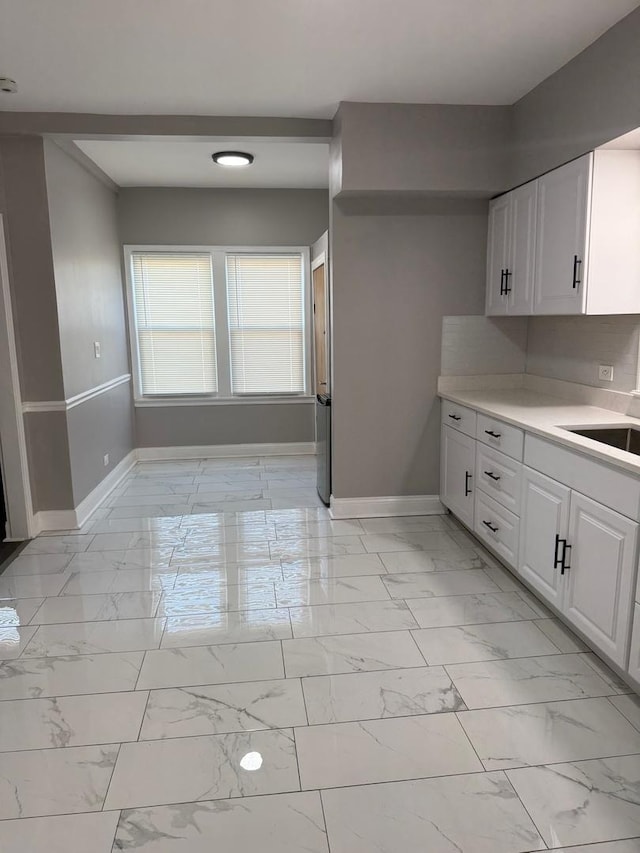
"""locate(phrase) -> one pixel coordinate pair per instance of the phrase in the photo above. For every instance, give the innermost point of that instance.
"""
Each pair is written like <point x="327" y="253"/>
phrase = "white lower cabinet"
<point x="599" y="583"/>
<point x="634" y="654"/>
<point x="498" y="527"/>
<point x="456" y="473"/>
<point x="580" y="556"/>
<point x="545" y="518"/>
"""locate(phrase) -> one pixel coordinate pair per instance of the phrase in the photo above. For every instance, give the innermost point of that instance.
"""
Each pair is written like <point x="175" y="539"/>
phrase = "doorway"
<point x="15" y="489"/>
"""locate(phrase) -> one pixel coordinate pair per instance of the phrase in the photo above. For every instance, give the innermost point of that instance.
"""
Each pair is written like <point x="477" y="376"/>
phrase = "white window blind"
<point x="266" y="323"/>
<point x="175" y="322"/>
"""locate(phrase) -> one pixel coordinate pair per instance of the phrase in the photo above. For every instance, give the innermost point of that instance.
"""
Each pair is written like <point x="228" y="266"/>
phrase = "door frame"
<point x="13" y="444"/>
<point x="318" y="261"/>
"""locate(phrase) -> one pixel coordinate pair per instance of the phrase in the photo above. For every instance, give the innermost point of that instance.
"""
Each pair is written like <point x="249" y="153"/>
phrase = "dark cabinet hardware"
<point x="577" y="265"/>
<point x="493" y="434"/>
<point x="492" y="475"/>
<point x="467" y="481"/>
<point x="501" y="282"/>
<point x="492" y="527"/>
<point x="507" y="289"/>
<point x="560" y="559"/>
<point x="556" y="560"/>
<point x="455" y="417"/>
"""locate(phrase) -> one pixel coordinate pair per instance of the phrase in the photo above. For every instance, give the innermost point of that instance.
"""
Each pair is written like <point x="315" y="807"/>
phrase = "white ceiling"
<point x="189" y="164"/>
<point x="286" y="57"/>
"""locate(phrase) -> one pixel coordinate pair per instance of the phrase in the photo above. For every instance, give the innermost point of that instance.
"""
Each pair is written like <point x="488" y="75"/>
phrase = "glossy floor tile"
<point x="213" y="663"/>
<point x="474" y="814"/>
<point x="204" y="768"/>
<point x="271" y="824"/>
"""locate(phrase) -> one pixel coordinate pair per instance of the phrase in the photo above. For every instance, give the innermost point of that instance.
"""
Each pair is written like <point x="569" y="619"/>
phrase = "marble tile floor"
<point x="211" y="662"/>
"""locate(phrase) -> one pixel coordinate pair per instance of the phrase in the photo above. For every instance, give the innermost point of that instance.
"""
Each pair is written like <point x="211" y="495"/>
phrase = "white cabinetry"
<point x="545" y="516"/>
<point x="599" y="582"/>
<point x="511" y="252"/>
<point x="456" y="473"/>
<point x="567" y="242"/>
<point x="561" y="257"/>
<point x="580" y="556"/>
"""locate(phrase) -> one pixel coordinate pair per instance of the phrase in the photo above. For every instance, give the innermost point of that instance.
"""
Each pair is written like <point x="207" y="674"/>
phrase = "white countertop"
<point x="548" y="417"/>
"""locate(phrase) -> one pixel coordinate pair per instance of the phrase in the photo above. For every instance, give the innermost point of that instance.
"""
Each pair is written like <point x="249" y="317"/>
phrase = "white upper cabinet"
<point x="567" y="243"/>
<point x="498" y="253"/>
<point x="511" y="252"/>
<point x="561" y="259"/>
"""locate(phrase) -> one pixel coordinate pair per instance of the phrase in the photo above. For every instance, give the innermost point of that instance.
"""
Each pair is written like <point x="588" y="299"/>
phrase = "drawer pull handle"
<point x="560" y="560"/>
<point x="492" y="527"/>
<point x="455" y="417"/>
<point x="492" y="475"/>
<point x="493" y="434"/>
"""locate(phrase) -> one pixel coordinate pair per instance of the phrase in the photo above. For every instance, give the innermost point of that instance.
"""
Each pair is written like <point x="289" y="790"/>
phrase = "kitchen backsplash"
<point x="572" y="348"/>
<point x="566" y="348"/>
<point x="473" y="346"/>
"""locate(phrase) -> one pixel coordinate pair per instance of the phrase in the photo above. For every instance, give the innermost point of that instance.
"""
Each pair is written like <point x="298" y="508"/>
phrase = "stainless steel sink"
<point x="624" y="438"/>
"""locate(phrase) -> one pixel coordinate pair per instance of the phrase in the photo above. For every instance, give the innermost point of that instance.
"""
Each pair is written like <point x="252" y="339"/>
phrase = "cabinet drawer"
<point x="498" y="527"/>
<point x="500" y="436"/>
<point x="459" y="417"/>
<point x="499" y="476"/>
<point x="613" y="488"/>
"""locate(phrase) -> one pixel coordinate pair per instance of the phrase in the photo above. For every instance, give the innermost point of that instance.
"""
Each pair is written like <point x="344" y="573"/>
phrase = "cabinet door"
<point x="599" y="591"/>
<point x="456" y="473"/>
<point x="545" y="516"/>
<point x="521" y="266"/>
<point x="498" y="254"/>
<point x="561" y="239"/>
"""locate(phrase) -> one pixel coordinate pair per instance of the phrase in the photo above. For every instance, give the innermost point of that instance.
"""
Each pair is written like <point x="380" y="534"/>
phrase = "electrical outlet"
<point x="96" y="349"/>
<point x="105" y="459"/>
<point x="605" y="372"/>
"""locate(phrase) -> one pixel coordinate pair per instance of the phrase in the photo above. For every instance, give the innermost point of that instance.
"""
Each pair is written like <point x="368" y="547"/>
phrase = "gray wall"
<point x="87" y="266"/>
<point x="23" y="200"/>
<point x="90" y="299"/>
<point x="394" y="278"/>
<point x="223" y="217"/>
<point x="422" y="148"/>
<point x="591" y="100"/>
<point x="233" y="424"/>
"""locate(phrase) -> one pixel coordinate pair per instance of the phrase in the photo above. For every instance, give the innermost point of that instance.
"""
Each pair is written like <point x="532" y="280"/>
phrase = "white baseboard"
<point x="102" y="491"/>
<point x="217" y="451"/>
<point x="72" y="519"/>
<point x="50" y="520"/>
<point x="386" y="506"/>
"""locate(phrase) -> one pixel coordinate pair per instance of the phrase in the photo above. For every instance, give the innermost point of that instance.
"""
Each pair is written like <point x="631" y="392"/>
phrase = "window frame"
<point x="224" y="395"/>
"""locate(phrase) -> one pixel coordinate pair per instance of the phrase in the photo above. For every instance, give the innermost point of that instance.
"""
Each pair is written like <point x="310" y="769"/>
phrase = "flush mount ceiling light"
<point x="8" y="85"/>
<point x="232" y="158"/>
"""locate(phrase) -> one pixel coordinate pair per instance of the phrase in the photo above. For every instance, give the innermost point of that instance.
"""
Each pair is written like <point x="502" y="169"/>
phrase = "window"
<point x="217" y="322"/>
<point x="266" y="323"/>
<point x="175" y="323"/>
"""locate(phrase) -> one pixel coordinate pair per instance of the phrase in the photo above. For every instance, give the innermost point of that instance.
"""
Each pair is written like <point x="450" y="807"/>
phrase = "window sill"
<point x="171" y="402"/>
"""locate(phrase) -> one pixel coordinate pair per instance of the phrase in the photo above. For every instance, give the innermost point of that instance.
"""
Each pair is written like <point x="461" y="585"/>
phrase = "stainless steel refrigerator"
<point x="323" y="446"/>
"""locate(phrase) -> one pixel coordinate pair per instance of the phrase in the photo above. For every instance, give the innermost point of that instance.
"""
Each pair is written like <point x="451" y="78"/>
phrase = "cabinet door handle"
<point x="501" y="282"/>
<point x="493" y="434"/>
<point x="576" y="263"/>
<point x="556" y="561"/>
<point x="492" y="475"/>
<point x="467" y="480"/>
<point x="564" y="567"/>
<point x="507" y="289"/>
<point x="493" y="528"/>
<point x="455" y="417"/>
